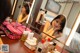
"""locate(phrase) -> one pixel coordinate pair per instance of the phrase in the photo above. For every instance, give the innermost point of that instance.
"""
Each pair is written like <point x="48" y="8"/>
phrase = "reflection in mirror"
<point x="16" y="23"/>
<point x="69" y="10"/>
<point x="72" y="43"/>
<point x="33" y="14"/>
<point x="55" y="28"/>
<point x="20" y="11"/>
<point x="23" y="15"/>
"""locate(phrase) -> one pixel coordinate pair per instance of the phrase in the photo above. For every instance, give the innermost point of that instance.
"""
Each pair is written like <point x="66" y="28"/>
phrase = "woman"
<point x="55" y="28"/>
<point x="24" y="14"/>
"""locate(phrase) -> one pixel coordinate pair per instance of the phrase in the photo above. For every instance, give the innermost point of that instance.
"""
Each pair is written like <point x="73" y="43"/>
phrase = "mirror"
<point x="20" y="11"/>
<point x="72" y="43"/>
<point x="69" y="10"/>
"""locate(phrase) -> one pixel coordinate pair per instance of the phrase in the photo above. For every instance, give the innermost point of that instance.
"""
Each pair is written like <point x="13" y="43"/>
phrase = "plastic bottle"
<point x="54" y="44"/>
<point x="24" y="36"/>
<point x="51" y="47"/>
<point x="55" y="51"/>
<point x="40" y="47"/>
<point x="47" y="42"/>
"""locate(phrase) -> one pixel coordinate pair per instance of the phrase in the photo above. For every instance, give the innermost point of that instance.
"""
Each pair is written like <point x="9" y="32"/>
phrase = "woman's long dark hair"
<point x="27" y="8"/>
<point x="63" y="22"/>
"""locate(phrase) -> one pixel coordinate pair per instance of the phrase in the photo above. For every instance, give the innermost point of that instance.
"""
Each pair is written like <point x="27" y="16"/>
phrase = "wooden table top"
<point x="1" y="43"/>
<point x="17" y="46"/>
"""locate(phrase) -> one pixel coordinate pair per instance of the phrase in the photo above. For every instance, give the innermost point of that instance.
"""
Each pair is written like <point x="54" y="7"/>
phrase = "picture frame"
<point x="53" y="6"/>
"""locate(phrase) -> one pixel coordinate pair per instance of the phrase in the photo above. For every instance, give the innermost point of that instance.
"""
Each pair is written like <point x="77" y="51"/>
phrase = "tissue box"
<point x="31" y="43"/>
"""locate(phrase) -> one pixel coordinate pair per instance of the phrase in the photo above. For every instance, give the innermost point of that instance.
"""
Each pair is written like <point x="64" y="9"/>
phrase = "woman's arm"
<point x="24" y="19"/>
<point x="20" y="20"/>
<point x="47" y="24"/>
<point x="48" y="33"/>
<point x="55" y="36"/>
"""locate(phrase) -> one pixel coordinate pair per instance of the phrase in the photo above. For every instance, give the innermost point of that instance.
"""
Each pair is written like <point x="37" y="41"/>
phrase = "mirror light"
<point x="73" y="30"/>
<point x="15" y="1"/>
<point x="30" y="11"/>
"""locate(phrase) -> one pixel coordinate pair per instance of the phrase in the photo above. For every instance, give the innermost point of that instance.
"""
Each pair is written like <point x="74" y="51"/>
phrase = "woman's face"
<point x="23" y="11"/>
<point x="56" y="24"/>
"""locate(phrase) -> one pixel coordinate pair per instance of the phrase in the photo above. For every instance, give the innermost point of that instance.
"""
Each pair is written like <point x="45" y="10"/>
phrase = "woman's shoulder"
<point x="20" y="15"/>
<point x="47" y="22"/>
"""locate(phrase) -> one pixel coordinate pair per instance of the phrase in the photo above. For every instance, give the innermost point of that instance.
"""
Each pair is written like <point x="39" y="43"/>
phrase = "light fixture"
<point x="13" y="9"/>
<point x="30" y="11"/>
<point x="73" y="30"/>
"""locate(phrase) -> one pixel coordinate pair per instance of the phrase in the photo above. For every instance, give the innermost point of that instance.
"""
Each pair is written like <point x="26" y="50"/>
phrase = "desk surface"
<point x="17" y="46"/>
<point x="1" y="43"/>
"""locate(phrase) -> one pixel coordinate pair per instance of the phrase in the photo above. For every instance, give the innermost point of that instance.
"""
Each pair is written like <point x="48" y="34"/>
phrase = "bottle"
<point x="54" y="46"/>
<point x="55" y="51"/>
<point x="40" y="47"/>
<point x="51" y="47"/>
<point x="47" y="42"/>
<point x="24" y="36"/>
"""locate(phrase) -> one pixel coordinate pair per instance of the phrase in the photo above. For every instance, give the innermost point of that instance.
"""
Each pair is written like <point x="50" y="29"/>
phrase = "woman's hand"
<point x="48" y="37"/>
<point x="54" y="36"/>
<point x="44" y="35"/>
<point x="57" y="28"/>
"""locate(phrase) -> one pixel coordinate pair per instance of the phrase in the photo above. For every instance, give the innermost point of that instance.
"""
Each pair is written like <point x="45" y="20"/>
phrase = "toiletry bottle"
<point x="40" y="47"/>
<point x="24" y="36"/>
<point x="54" y="46"/>
<point x="55" y="51"/>
<point x="51" y="47"/>
<point x="47" y="43"/>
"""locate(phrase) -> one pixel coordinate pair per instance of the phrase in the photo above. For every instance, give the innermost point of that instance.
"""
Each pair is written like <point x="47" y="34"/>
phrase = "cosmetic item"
<point x="31" y="43"/>
<point x="28" y="29"/>
<point x="26" y="32"/>
<point x="30" y="35"/>
<point x="24" y="36"/>
<point x="55" y="51"/>
<point x="51" y="47"/>
<point x="41" y="47"/>
<point x="47" y="42"/>
<point x="8" y="18"/>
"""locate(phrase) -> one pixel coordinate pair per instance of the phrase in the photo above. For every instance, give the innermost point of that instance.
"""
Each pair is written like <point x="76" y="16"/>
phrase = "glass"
<point x="67" y="9"/>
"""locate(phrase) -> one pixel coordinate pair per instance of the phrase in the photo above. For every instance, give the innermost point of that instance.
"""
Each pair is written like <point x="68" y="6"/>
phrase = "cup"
<point x="30" y="35"/>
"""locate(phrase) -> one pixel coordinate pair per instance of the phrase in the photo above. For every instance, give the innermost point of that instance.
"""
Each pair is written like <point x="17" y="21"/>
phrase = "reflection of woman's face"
<point x="56" y="24"/>
<point x="23" y="11"/>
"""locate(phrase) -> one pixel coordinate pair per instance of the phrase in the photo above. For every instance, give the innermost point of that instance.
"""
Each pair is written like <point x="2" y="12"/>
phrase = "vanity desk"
<point x="17" y="46"/>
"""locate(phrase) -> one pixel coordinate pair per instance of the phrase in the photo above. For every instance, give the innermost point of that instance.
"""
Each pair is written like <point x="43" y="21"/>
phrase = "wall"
<point x="35" y="10"/>
<point x="65" y="9"/>
<point x="17" y="10"/>
<point x="73" y="14"/>
<point x="43" y="7"/>
<point x="12" y="1"/>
